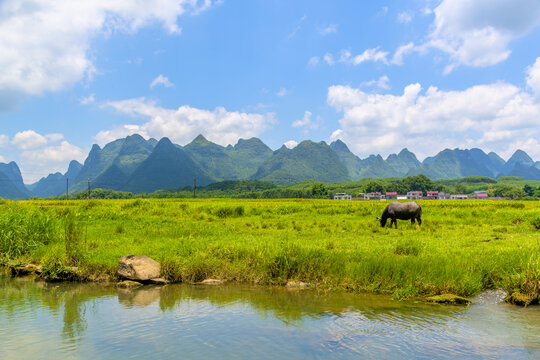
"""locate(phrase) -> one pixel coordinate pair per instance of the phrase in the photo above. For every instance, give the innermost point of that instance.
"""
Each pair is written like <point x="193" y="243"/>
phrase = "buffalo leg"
<point x="419" y="221"/>
<point x="395" y="223"/>
<point x="412" y="220"/>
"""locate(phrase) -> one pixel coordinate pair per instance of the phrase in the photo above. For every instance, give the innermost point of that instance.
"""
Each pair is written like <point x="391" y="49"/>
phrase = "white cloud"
<point x="533" y="78"/>
<point x="477" y="33"/>
<point x="48" y="159"/>
<point x="28" y="139"/>
<point x="88" y="99"/>
<point x="405" y="17"/>
<point x="397" y="59"/>
<point x="374" y="55"/>
<point x="45" y="45"/>
<point x="283" y="92"/>
<point x="161" y="80"/>
<point x="305" y="121"/>
<point x="183" y="124"/>
<point x="496" y="117"/>
<point x="330" y="29"/>
<point x="2" y="159"/>
<point x="4" y="140"/>
<point x="329" y="59"/>
<point x="291" y="144"/>
<point x="314" y="61"/>
<point x="382" y="82"/>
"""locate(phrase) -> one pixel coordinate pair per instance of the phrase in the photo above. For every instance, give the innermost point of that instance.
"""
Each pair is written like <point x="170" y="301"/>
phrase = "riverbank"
<point x="462" y="247"/>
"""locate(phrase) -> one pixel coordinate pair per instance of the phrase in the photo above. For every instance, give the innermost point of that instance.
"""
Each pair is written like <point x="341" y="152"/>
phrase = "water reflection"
<point x="89" y="320"/>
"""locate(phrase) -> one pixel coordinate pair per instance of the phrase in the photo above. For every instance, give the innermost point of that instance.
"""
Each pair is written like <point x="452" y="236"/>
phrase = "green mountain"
<point x="55" y="184"/>
<point x="167" y="167"/>
<point x="125" y="154"/>
<point x="229" y="163"/>
<point x="403" y="162"/>
<point x="456" y="163"/>
<point x="527" y="172"/>
<point x="519" y="157"/>
<point x="11" y="182"/>
<point x="351" y="161"/>
<point x="308" y="160"/>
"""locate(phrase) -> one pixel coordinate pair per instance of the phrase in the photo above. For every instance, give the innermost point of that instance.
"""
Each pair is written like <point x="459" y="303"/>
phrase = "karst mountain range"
<point x="138" y="165"/>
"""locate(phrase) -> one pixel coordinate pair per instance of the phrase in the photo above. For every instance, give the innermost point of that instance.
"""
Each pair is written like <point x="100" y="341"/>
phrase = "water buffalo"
<point x="403" y="211"/>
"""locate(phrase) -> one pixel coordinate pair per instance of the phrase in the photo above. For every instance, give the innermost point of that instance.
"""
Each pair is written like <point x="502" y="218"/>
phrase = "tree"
<point x="418" y="183"/>
<point x="529" y="190"/>
<point x="319" y="191"/>
<point x="374" y="186"/>
<point x="460" y="188"/>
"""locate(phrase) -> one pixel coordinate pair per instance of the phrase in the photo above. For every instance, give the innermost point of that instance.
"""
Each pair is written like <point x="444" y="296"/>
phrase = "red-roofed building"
<point x="391" y="195"/>
<point x="432" y="195"/>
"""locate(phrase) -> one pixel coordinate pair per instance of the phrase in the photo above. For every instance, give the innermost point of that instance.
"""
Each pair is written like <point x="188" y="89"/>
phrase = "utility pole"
<point x="194" y="186"/>
<point x="88" y="188"/>
<point x="67" y="188"/>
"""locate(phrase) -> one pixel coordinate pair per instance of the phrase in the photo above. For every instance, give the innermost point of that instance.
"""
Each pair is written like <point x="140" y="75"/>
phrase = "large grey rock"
<point x="140" y="268"/>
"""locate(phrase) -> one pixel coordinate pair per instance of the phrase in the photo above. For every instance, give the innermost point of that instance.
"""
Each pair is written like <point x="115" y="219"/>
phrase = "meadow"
<point x="462" y="247"/>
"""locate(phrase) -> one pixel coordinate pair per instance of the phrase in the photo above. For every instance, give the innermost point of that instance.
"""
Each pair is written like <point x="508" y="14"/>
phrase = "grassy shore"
<point x="462" y="247"/>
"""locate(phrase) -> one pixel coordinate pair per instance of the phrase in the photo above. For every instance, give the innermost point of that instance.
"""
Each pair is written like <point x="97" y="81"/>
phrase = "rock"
<point x="158" y="281"/>
<point x="211" y="282"/>
<point x="100" y="278"/>
<point x="520" y="299"/>
<point x="25" y="269"/>
<point x="128" y="284"/>
<point x="294" y="284"/>
<point x="449" y="299"/>
<point x="138" y="268"/>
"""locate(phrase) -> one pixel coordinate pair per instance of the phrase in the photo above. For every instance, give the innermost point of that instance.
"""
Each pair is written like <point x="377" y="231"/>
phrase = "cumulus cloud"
<point x="42" y="154"/>
<point x="477" y="33"/>
<point x="183" y="124"/>
<point x="291" y="144"/>
<point x="330" y="29"/>
<point x="533" y="78"/>
<point x="161" y="80"/>
<point x="28" y="139"/>
<point x="4" y="140"/>
<point x="45" y="44"/>
<point x="305" y="121"/>
<point x="497" y="117"/>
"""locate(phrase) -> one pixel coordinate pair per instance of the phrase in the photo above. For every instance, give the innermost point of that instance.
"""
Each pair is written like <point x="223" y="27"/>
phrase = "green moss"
<point x="449" y="299"/>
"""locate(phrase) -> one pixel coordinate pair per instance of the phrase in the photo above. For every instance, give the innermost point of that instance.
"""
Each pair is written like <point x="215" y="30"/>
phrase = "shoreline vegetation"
<point x="463" y="246"/>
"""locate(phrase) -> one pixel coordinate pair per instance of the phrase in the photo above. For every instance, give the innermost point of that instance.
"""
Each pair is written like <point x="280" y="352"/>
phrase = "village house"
<point x="431" y="195"/>
<point x="401" y="197"/>
<point x="414" y="195"/>
<point x="391" y="195"/>
<point x="443" y="196"/>
<point x="459" y="197"/>
<point x="480" y="195"/>
<point x="342" y="196"/>
<point x="373" y="196"/>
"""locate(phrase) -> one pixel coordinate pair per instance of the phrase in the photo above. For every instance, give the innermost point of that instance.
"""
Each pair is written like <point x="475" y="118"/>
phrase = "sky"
<point x="379" y="75"/>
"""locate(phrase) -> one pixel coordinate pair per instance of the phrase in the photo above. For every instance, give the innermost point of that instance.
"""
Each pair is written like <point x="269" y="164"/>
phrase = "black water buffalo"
<point x="402" y="211"/>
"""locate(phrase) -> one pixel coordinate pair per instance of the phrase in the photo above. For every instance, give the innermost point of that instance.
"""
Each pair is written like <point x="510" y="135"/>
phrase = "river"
<point x="88" y="321"/>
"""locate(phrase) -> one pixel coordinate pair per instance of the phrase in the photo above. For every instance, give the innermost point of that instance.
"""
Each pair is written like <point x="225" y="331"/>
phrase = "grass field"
<point x="462" y="247"/>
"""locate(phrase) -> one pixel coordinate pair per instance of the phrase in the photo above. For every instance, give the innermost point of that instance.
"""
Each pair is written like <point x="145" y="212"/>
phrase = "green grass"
<point x="462" y="247"/>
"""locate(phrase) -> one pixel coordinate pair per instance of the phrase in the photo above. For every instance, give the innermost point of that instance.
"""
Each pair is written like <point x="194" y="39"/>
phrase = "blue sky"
<point x="380" y="75"/>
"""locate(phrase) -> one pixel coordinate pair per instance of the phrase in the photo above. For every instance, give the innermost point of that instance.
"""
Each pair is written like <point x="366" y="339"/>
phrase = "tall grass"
<point x="462" y="246"/>
<point x="23" y="229"/>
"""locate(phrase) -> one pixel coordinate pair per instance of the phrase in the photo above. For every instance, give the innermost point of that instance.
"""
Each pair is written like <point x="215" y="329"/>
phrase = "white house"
<point x="342" y="196"/>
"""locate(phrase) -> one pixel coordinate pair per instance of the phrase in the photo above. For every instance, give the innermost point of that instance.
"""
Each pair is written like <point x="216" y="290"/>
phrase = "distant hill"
<point x="308" y="160"/>
<point x="232" y="162"/>
<point x="167" y="167"/>
<point x="55" y="184"/>
<point x="138" y="165"/>
<point x="11" y="182"/>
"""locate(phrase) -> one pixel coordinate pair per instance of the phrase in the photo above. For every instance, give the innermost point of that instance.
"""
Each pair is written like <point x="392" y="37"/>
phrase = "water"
<point x="87" y="321"/>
